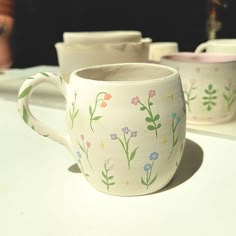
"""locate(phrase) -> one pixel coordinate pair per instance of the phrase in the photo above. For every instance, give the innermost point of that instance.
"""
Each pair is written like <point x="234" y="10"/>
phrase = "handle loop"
<point x="24" y="96"/>
<point x="201" y="47"/>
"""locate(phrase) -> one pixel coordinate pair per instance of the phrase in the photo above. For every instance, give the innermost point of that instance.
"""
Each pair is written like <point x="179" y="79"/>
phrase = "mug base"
<point x="137" y="193"/>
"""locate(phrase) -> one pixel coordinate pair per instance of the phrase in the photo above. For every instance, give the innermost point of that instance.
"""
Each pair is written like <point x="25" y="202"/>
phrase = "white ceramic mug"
<point x="75" y="56"/>
<point x="209" y="85"/>
<point x="218" y="46"/>
<point x="96" y="37"/>
<point x="125" y="131"/>
<point x="159" y="49"/>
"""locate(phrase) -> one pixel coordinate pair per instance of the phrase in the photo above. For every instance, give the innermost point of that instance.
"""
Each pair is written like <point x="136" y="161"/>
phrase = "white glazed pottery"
<point x="218" y="46"/>
<point x="126" y="124"/>
<point x="75" y="56"/>
<point x="159" y="49"/>
<point x="209" y="85"/>
<point x="119" y="36"/>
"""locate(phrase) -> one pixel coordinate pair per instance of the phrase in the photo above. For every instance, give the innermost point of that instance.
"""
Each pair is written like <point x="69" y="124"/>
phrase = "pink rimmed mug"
<point x="209" y="85"/>
<point x="126" y="124"/>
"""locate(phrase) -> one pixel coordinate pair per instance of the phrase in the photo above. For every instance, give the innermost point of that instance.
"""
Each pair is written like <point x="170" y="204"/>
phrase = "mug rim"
<point x="200" y="58"/>
<point x="173" y="73"/>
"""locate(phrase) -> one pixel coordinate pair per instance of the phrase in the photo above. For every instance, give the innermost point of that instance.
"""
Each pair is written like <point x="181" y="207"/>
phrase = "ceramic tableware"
<point x="159" y="49"/>
<point x="209" y="85"/>
<point x="75" y="56"/>
<point x="218" y="46"/>
<point x="96" y="37"/>
<point x="126" y="124"/>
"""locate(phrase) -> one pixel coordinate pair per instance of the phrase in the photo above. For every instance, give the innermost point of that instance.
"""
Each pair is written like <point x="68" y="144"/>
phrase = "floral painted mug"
<point x="126" y="124"/>
<point x="209" y="85"/>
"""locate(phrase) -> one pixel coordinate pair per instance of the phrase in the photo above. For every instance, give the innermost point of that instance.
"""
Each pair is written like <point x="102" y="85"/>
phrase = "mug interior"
<point x="126" y="72"/>
<point x="201" y="57"/>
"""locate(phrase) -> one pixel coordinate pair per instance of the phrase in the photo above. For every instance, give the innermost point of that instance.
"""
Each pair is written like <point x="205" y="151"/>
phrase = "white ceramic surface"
<point x="209" y="85"/>
<point x="119" y="36"/>
<point x="75" y="56"/>
<point x="218" y="46"/>
<point x="159" y="49"/>
<point x="126" y="132"/>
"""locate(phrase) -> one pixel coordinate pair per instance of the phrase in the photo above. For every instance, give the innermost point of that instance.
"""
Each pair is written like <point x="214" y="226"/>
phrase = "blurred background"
<point x="39" y="24"/>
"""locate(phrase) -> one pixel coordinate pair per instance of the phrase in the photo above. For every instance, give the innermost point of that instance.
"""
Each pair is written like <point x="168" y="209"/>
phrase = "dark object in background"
<point x="227" y="16"/>
<point x="39" y="24"/>
<point x="220" y="16"/>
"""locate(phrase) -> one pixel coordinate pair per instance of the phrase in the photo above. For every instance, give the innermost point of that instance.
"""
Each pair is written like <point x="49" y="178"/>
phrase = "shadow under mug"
<point x="124" y="131"/>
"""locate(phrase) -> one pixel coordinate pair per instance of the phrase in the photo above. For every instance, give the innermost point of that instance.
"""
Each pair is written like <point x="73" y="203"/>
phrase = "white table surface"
<point x="46" y="95"/>
<point x="225" y="130"/>
<point x="42" y="194"/>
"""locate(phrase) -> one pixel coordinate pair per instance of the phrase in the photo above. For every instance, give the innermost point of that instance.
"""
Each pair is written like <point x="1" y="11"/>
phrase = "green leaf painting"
<point x="151" y="119"/>
<point x="188" y="93"/>
<point x="84" y="148"/>
<point x="44" y="74"/>
<point x="148" y="177"/>
<point x="25" y="115"/>
<point x="229" y="95"/>
<point x="107" y="178"/>
<point x="209" y="100"/>
<point x="175" y="121"/>
<point x="124" y="140"/>
<point x="25" y="92"/>
<point x="73" y="112"/>
<point x="101" y="99"/>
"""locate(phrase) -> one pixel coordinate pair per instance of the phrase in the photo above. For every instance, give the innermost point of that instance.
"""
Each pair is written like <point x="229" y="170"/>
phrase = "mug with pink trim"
<point x="209" y="85"/>
<point x="126" y="124"/>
